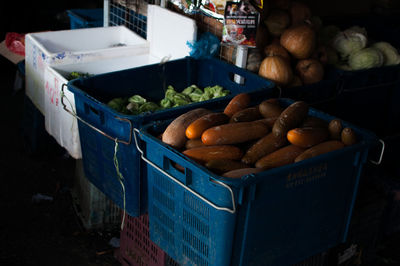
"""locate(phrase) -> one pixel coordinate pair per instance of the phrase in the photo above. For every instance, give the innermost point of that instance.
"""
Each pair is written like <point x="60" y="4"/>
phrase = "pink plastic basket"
<point x="136" y="248"/>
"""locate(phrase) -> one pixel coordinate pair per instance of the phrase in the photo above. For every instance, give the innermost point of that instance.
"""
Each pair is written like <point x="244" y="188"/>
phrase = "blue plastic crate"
<point x="320" y="95"/>
<point x="150" y="81"/>
<point x="85" y="18"/>
<point x="277" y="217"/>
<point x="369" y="98"/>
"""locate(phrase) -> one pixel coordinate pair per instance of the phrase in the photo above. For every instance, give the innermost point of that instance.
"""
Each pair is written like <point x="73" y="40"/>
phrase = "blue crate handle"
<point x="381" y="153"/>
<point x="232" y="211"/>
<point x="93" y="127"/>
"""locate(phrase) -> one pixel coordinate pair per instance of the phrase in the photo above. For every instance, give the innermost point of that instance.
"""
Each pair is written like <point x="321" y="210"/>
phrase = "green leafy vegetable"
<point x="205" y="97"/>
<point x="349" y="42"/>
<point x="196" y="94"/>
<point x="390" y="54"/>
<point x="75" y="75"/>
<point x="137" y="99"/>
<point x="181" y="99"/>
<point x="148" y="107"/>
<point x="133" y="107"/>
<point x="366" y="58"/>
<point x="117" y="104"/>
<point x="137" y="104"/>
<point x="170" y="92"/>
<point x="166" y="103"/>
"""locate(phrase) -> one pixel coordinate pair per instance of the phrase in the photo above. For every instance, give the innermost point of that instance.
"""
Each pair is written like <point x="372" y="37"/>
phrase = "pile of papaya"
<point x="244" y="139"/>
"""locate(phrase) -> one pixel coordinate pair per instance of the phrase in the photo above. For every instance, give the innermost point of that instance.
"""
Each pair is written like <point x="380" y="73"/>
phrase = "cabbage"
<point x="390" y="54"/>
<point x="180" y="99"/>
<point x="220" y="93"/>
<point x="356" y="29"/>
<point x="137" y="99"/>
<point x="206" y="96"/>
<point x="189" y="89"/>
<point x="196" y="94"/>
<point x="166" y="103"/>
<point x="170" y="92"/>
<point x="366" y="58"/>
<point x="348" y="42"/>
<point x="133" y="107"/>
<point x="148" y="107"/>
<point x="213" y="91"/>
<point x="117" y="104"/>
<point x="76" y="74"/>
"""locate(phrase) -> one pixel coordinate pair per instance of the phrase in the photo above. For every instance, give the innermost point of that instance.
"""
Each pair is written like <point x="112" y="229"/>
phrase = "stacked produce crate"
<point x="85" y="18"/>
<point x="176" y="207"/>
<point x="55" y="57"/>
<point x="99" y="151"/>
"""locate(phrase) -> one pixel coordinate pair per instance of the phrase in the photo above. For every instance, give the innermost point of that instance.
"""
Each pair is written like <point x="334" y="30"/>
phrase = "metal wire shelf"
<point x="130" y="13"/>
<point x="133" y="15"/>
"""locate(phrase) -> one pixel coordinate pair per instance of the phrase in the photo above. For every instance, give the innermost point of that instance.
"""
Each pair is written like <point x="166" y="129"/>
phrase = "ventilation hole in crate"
<point x="163" y="234"/>
<point x="164" y="200"/>
<point x="196" y="223"/>
<point x="194" y="257"/>
<point x="164" y="184"/>
<point x="196" y="205"/>
<point x="163" y="218"/>
<point x="195" y="242"/>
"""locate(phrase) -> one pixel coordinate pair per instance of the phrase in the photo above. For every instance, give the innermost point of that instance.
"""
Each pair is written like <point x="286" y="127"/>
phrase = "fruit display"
<point x="294" y="46"/>
<point x="272" y="135"/>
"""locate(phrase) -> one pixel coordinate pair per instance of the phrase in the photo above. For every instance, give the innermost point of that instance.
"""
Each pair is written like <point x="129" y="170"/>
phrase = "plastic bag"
<point x="15" y="42"/>
<point x="207" y="46"/>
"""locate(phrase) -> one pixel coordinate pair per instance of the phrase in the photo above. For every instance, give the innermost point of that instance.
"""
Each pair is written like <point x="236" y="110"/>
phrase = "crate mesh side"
<point x="196" y="205"/>
<point x="193" y="256"/>
<point x="133" y="15"/>
<point x="167" y="186"/>
<point x="196" y="223"/>
<point x="130" y="13"/>
<point x="136" y="245"/>
<point x="163" y="199"/>
<point x="163" y="233"/>
<point x="166" y="220"/>
<point x="195" y="243"/>
<point x="196" y="217"/>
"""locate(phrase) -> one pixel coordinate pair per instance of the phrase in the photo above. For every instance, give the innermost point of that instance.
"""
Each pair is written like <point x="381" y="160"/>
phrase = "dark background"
<point x="48" y="233"/>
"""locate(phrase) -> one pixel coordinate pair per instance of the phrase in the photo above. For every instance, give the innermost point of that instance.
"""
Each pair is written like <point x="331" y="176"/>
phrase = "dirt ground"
<point x="49" y="232"/>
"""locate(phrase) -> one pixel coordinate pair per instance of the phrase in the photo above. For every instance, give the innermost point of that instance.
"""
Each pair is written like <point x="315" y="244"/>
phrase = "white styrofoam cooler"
<point x="58" y="122"/>
<point x="64" y="127"/>
<point x="74" y="46"/>
<point x="169" y="32"/>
